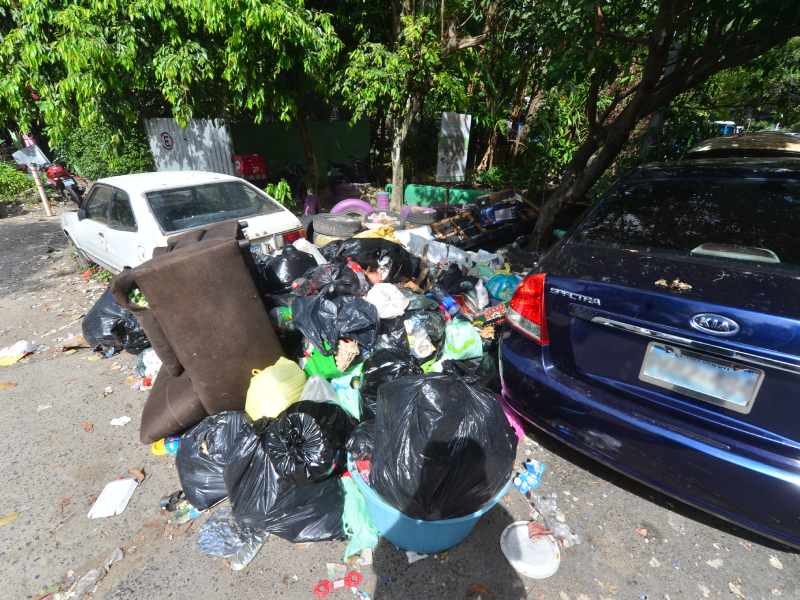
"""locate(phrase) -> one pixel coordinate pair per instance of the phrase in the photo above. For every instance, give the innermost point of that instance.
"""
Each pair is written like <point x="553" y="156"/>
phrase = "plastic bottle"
<point x="446" y="301"/>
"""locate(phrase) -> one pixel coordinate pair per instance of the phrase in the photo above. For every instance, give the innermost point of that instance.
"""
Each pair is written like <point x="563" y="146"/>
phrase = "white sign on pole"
<point x="31" y="156"/>
<point x="453" y="146"/>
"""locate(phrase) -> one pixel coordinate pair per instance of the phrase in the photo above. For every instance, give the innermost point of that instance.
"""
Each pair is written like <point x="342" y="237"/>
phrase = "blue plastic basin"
<point x="425" y="537"/>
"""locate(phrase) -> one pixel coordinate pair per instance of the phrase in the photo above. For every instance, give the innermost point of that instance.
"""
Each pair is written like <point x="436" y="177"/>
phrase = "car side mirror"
<point x="81" y="214"/>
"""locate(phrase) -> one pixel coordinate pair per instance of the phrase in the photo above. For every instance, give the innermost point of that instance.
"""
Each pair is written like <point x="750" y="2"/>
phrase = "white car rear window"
<point x="184" y="208"/>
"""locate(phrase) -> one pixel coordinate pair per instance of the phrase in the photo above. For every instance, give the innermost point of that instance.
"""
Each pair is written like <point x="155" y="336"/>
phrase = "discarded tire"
<point x="336" y="225"/>
<point x="420" y="217"/>
<point x="352" y="206"/>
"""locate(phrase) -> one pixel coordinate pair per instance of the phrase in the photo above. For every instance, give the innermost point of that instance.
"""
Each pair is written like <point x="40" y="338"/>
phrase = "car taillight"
<point x="526" y="310"/>
<point x="291" y="236"/>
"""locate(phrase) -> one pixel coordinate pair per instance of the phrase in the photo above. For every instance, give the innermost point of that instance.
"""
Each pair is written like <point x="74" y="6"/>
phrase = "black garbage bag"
<point x="482" y="371"/>
<point x="455" y="281"/>
<point x="442" y="448"/>
<point x="331" y="279"/>
<point x="324" y="321"/>
<point x="274" y="477"/>
<point x="419" y="301"/>
<point x="279" y="271"/>
<point x="109" y="326"/>
<point x="383" y="366"/>
<point x="392" y="335"/>
<point x="306" y="442"/>
<point x="392" y="260"/>
<point x="203" y="453"/>
<point x="362" y="441"/>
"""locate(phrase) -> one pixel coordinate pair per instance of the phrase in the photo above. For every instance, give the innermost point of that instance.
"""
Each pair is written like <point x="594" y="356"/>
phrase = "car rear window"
<point x="700" y="217"/>
<point x="195" y="206"/>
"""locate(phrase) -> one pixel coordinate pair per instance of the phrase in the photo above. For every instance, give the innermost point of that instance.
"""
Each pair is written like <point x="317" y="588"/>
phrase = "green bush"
<point x="94" y="152"/>
<point x="12" y="182"/>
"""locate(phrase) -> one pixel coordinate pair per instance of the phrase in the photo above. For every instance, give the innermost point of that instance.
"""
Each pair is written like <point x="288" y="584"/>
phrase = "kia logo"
<point x="714" y="324"/>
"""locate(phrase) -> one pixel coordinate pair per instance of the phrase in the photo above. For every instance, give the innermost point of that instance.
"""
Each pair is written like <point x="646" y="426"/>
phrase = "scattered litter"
<point x="654" y="562"/>
<point x="736" y="589"/>
<point x="113" y="499"/>
<point x="16" y="352"/>
<point x="642" y="531"/>
<point x="220" y="536"/>
<point x="167" y="446"/>
<point x="137" y="473"/>
<point x="8" y="518"/>
<point x="43" y="407"/>
<point x="538" y="557"/>
<point x="351" y="580"/>
<point x="554" y="520"/>
<point x="415" y="557"/>
<point x="774" y="561"/>
<point x="108" y="390"/>
<point x="120" y="421"/>
<point x="87" y="426"/>
<point x="74" y="342"/>
<point x="715" y="563"/>
<point x="7" y="385"/>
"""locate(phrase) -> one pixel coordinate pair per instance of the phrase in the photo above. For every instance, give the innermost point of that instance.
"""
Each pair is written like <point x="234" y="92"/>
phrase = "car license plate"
<point x="700" y="376"/>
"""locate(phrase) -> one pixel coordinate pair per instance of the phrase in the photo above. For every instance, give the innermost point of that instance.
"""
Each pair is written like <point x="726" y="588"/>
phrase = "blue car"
<point x="661" y="336"/>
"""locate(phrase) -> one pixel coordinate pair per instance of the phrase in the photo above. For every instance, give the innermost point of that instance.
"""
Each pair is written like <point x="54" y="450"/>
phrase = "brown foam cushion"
<point x="171" y="407"/>
<point x="202" y="294"/>
<point x="121" y="286"/>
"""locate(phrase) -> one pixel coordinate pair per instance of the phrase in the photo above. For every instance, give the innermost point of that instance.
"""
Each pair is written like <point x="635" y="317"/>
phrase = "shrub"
<point x="12" y="182"/>
<point x="94" y="152"/>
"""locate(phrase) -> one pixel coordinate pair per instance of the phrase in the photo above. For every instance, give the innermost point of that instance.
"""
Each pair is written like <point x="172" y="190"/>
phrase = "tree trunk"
<point x="488" y="156"/>
<point x="312" y="177"/>
<point x="400" y="128"/>
<point x="522" y="135"/>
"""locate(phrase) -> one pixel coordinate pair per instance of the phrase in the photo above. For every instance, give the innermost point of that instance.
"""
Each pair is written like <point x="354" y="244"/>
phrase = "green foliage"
<point x="92" y="152"/>
<point x="281" y="192"/>
<point x="12" y="182"/>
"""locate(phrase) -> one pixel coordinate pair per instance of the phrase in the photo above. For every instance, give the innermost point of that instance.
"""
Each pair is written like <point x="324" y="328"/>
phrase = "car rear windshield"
<point x="182" y="208"/>
<point x="726" y="218"/>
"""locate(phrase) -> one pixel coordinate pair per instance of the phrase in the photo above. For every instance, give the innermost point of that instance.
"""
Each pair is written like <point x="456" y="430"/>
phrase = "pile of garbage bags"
<point x="385" y="354"/>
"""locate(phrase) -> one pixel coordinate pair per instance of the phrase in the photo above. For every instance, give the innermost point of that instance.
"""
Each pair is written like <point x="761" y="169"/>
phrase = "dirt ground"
<point x="636" y="544"/>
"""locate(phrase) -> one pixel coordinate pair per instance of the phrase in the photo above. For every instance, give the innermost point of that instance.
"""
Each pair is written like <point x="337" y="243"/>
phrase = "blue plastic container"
<point x="424" y="537"/>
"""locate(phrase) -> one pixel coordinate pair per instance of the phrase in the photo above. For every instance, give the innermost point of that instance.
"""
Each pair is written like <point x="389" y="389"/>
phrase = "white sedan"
<point x="122" y="219"/>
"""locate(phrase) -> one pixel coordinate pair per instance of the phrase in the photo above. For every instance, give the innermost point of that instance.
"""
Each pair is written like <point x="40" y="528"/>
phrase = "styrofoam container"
<point x="537" y="558"/>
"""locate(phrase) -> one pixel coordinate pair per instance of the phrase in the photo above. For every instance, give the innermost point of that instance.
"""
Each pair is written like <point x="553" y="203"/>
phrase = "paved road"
<point x="635" y="544"/>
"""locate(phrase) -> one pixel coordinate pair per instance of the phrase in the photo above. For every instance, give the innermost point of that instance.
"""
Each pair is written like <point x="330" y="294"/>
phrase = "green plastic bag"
<point x="356" y="521"/>
<point x="319" y="364"/>
<point x="461" y="341"/>
<point x="347" y="394"/>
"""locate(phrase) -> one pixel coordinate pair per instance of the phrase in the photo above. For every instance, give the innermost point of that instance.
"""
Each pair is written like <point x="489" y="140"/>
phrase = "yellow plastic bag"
<point x="274" y="389"/>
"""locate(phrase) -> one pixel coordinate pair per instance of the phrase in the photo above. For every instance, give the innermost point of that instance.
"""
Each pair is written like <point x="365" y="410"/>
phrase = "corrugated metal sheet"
<point x="204" y="145"/>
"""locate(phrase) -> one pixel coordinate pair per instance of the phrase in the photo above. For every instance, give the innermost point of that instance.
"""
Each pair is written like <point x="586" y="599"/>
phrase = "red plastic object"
<point x="323" y="588"/>
<point x="353" y="579"/>
<point x="250" y="166"/>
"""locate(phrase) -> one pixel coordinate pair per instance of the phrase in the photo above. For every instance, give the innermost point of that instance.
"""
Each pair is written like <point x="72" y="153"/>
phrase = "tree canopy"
<point x="562" y="94"/>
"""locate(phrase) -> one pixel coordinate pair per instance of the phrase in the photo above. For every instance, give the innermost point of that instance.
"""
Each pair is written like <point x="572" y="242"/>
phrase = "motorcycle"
<point x="65" y="183"/>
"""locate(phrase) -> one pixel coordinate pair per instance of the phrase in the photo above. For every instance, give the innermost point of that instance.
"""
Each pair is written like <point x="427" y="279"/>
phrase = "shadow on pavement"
<point x="656" y="497"/>
<point x="25" y="241"/>
<point x="475" y="568"/>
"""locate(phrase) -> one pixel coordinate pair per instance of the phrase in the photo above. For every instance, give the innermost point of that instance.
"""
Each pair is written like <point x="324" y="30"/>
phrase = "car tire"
<point x="420" y="217"/>
<point x="342" y="226"/>
<point x="81" y="261"/>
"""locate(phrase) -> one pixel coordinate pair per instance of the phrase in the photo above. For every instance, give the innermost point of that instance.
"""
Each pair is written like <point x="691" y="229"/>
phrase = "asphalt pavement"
<point x="58" y="450"/>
